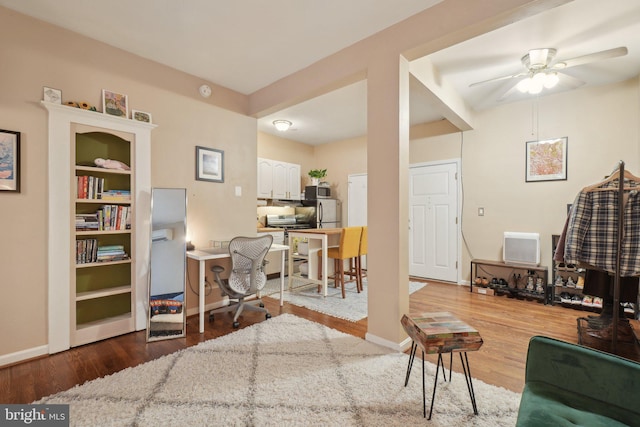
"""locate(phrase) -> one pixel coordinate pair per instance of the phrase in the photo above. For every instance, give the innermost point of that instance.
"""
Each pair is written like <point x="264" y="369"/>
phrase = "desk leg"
<point x="325" y="263"/>
<point x="282" y="257"/>
<point x="201" y="295"/>
<point x="290" y="262"/>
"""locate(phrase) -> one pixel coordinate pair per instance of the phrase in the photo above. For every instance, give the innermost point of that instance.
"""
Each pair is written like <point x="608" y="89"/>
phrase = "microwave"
<point x="313" y="192"/>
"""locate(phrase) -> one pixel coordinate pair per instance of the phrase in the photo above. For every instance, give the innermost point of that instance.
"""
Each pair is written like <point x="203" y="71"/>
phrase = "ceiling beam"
<point x="442" y="94"/>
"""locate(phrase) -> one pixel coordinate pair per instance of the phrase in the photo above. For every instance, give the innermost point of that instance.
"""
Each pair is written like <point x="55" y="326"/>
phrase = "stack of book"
<point x="111" y="253"/>
<point x="116" y="195"/>
<point x="87" y="222"/>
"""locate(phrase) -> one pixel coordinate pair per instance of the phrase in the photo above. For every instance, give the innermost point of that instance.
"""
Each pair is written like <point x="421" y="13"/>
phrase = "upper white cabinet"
<point x="278" y="180"/>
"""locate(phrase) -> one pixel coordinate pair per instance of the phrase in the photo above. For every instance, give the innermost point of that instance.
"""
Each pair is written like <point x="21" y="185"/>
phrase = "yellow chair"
<point x="349" y="248"/>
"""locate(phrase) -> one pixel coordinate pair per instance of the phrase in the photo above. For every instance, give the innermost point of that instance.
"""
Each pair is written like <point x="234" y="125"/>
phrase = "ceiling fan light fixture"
<point x="524" y="84"/>
<point x="550" y="80"/>
<point x="282" y="125"/>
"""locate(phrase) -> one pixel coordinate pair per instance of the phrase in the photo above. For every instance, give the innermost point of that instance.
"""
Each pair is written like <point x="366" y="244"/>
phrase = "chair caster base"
<point x="236" y="325"/>
<point x="210" y="318"/>
<point x="268" y="316"/>
<point x="261" y="305"/>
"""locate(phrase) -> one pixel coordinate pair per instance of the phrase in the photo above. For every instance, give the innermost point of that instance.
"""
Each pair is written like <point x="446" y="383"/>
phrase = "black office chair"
<point x="247" y="276"/>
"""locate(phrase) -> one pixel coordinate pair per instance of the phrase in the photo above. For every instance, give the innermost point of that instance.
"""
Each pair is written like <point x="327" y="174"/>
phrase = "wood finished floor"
<point x="505" y="324"/>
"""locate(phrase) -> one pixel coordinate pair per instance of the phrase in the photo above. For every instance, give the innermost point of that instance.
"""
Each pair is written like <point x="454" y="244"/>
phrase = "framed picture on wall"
<point x="115" y="104"/>
<point x="546" y="160"/>
<point x="9" y="160"/>
<point x="209" y="164"/>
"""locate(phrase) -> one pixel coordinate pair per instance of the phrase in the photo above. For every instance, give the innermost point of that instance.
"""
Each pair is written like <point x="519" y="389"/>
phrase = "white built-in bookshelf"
<point x="98" y="247"/>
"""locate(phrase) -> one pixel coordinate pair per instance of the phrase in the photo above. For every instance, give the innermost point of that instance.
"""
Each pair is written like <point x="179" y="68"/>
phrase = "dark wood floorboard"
<point x="505" y="324"/>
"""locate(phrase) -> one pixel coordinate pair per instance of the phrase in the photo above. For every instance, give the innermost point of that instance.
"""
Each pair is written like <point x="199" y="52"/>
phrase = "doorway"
<point x="433" y="220"/>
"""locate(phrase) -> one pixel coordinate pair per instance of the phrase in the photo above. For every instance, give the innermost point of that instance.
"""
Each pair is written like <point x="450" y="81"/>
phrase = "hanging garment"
<point x="592" y="229"/>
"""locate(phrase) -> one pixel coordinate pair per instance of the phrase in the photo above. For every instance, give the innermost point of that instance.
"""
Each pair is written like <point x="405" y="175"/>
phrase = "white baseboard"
<point x="19" y="356"/>
<point x="400" y="347"/>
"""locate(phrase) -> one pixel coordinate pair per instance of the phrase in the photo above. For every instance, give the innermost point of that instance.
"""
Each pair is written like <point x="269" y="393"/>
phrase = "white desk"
<point x="203" y="255"/>
<point x="318" y="239"/>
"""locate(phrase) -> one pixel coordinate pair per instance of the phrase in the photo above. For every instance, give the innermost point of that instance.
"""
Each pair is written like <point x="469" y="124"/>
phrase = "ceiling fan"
<point x="541" y="71"/>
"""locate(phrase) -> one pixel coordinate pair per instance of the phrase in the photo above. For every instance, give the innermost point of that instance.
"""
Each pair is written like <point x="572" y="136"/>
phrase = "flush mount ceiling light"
<point x="282" y="125"/>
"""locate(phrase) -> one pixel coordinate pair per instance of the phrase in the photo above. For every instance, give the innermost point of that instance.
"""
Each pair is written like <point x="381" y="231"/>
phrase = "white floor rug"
<point x="285" y="371"/>
<point x="352" y="308"/>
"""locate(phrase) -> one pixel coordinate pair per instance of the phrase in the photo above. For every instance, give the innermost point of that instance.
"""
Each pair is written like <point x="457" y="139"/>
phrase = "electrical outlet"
<point x="480" y="211"/>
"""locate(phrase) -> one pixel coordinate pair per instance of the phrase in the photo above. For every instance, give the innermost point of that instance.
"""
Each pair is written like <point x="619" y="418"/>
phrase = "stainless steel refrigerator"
<point x="321" y="213"/>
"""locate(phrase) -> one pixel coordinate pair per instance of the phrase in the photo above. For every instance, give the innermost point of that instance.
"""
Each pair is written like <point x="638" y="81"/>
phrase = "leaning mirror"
<point x="167" y="312"/>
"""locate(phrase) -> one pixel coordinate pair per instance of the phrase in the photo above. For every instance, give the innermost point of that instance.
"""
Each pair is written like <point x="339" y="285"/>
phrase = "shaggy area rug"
<point x="352" y="308"/>
<point x="285" y="371"/>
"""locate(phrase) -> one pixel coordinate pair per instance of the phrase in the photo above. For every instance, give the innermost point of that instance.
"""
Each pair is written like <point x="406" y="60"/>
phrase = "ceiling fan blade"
<point x="592" y="57"/>
<point x="497" y="79"/>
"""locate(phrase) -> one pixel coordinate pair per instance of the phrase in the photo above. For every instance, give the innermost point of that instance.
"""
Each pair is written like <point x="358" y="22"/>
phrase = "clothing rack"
<point x="616" y="280"/>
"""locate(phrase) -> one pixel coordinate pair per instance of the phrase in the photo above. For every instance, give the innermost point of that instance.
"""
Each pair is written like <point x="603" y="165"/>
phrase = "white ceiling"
<point x="239" y="45"/>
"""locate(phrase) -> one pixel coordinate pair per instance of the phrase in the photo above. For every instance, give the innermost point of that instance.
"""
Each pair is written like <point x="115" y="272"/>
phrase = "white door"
<point x="433" y="234"/>
<point x="357" y="199"/>
<point x="357" y="208"/>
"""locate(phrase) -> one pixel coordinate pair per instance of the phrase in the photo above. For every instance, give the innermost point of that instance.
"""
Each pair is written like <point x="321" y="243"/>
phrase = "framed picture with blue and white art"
<point x="209" y="164"/>
<point x="9" y="160"/>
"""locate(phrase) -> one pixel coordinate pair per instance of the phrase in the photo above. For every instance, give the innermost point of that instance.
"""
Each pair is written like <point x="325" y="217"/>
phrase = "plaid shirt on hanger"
<point x="593" y="227"/>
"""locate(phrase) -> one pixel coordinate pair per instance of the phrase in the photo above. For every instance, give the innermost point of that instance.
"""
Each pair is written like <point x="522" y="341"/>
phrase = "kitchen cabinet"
<point x="278" y="180"/>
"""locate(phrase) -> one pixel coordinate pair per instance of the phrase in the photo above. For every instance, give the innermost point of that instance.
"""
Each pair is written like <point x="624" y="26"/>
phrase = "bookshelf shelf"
<point x="82" y="296"/>
<point x="103" y="264"/>
<point x="94" y="169"/>
<point x="103" y="202"/>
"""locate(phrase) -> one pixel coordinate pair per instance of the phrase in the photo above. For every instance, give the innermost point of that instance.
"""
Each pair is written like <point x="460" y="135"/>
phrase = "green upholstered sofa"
<point x="568" y="385"/>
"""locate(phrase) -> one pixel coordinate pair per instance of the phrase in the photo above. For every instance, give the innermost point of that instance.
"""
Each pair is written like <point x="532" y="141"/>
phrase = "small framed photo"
<point x="52" y="95"/>
<point x="209" y="164"/>
<point x="9" y="161"/>
<point x="546" y="160"/>
<point x="115" y="104"/>
<point x="140" y="116"/>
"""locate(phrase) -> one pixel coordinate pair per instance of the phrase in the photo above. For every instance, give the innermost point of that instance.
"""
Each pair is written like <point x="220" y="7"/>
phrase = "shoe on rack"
<point x="576" y="300"/>
<point x="597" y="302"/>
<point x="587" y="301"/>
<point x="570" y="283"/>
<point x="565" y="298"/>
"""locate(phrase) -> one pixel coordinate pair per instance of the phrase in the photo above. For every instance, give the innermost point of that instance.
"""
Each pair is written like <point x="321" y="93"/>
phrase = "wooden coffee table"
<point x="439" y="333"/>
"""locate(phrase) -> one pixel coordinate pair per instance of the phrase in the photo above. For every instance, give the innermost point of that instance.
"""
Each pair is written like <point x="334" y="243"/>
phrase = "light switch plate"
<point x="238" y="191"/>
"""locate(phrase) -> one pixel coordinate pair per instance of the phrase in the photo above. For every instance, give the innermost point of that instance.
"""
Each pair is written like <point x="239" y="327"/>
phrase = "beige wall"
<point x="42" y="55"/>
<point x="602" y="126"/>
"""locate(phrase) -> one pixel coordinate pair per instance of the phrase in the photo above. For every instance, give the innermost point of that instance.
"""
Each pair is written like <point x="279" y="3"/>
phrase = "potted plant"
<point x="316" y="175"/>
